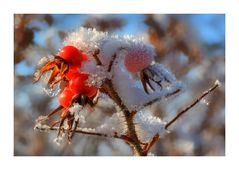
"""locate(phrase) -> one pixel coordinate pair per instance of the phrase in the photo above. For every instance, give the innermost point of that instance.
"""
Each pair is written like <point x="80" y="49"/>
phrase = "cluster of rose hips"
<point x="65" y="67"/>
<point x="77" y="80"/>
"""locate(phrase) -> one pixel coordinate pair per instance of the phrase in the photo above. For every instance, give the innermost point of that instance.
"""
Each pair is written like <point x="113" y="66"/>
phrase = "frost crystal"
<point x="97" y="76"/>
<point x="45" y="59"/>
<point x="52" y="92"/>
<point x="59" y="140"/>
<point x="79" y="112"/>
<point x="217" y="82"/>
<point x="109" y="48"/>
<point x="41" y="127"/>
<point x="87" y="40"/>
<point x="112" y="125"/>
<point x="204" y="101"/>
<point x="162" y="73"/>
<point x="148" y="126"/>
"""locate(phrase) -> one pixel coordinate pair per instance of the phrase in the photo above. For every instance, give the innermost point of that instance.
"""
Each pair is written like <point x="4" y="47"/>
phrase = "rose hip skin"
<point x="137" y="59"/>
<point x="66" y="97"/>
<point x="72" y="55"/>
<point x="71" y="72"/>
<point x="78" y="85"/>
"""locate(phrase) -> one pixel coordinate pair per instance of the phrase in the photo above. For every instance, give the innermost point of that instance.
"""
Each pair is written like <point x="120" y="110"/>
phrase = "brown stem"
<point x="148" y="146"/>
<point x="111" y="62"/>
<point x="176" y="91"/>
<point x="78" y="130"/>
<point x="108" y="88"/>
<point x="95" y="55"/>
<point x="191" y="105"/>
<point x="129" y="116"/>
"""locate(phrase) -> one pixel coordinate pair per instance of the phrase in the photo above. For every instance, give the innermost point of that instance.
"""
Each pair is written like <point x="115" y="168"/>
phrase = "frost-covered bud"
<point x="138" y="57"/>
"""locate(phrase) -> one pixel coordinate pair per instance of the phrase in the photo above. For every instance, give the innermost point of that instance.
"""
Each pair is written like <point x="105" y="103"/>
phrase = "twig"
<point x="176" y="91"/>
<point x="95" y="55"/>
<point x="78" y="130"/>
<point x="217" y="84"/>
<point x="112" y="62"/>
<point x="148" y="146"/>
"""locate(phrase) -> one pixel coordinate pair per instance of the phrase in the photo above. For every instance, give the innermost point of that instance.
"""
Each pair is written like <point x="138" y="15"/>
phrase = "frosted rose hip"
<point x="136" y="59"/>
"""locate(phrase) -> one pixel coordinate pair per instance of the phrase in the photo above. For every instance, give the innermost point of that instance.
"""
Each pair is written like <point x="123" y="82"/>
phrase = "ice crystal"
<point x="79" y="112"/>
<point x="112" y="125"/>
<point x="58" y="140"/>
<point x="204" y="101"/>
<point x="52" y="91"/>
<point x="41" y="127"/>
<point x="87" y="40"/>
<point x="217" y="82"/>
<point x="162" y="73"/>
<point x="45" y="59"/>
<point x="149" y="125"/>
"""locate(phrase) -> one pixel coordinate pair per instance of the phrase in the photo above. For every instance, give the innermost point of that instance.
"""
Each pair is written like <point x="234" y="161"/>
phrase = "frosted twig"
<point x="81" y="131"/>
<point x="95" y="55"/>
<point x="148" y="146"/>
<point x="176" y="91"/>
<point x="112" y="62"/>
<point x="216" y="84"/>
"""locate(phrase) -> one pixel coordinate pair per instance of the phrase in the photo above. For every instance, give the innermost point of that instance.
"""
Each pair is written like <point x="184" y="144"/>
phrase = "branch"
<point x="112" y="62"/>
<point x="95" y="55"/>
<point x="167" y="96"/>
<point x="108" y="88"/>
<point x="131" y="130"/>
<point x="217" y="84"/>
<point x="80" y="131"/>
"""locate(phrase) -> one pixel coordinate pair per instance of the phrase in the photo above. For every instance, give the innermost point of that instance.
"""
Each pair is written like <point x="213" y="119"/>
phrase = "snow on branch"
<point x="148" y="126"/>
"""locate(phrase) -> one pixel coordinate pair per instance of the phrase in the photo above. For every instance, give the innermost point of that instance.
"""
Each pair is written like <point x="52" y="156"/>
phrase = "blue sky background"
<point x="210" y="30"/>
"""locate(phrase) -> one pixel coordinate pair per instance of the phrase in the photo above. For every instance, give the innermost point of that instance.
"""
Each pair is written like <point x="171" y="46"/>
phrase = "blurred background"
<point x="191" y="46"/>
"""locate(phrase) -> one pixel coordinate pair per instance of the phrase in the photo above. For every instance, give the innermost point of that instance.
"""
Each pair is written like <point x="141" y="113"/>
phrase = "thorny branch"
<point x="217" y="84"/>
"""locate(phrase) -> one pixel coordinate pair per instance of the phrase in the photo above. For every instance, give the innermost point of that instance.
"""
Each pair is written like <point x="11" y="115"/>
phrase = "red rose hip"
<point x="78" y="85"/>
<point x="66" y="97"/>
<point x="72" y="55"/>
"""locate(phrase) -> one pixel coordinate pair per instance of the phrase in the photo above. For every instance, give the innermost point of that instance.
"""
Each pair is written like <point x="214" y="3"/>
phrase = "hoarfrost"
<point x="132" y="93"/>
<point x="97" y="74"/>
<point x="110" y="48"/>
<point x="148" y="125"/>
<point x="79" y="112"/>
<point x="58" y="140"/>
<point x="87" y="40"/>
<point x="45" y="59"/>
<point x="52" y="92"/>
<point x="41" y="127"/>
<point x="112" y="125"/>
<point x="163" y="73"/>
